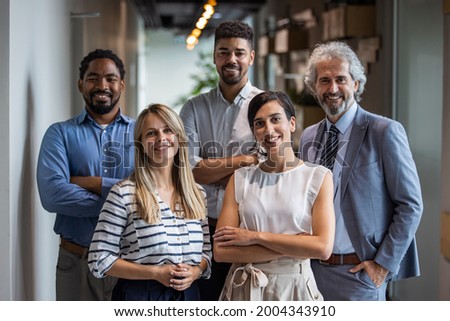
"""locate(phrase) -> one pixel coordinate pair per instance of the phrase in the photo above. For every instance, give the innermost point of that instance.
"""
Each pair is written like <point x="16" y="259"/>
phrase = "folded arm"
<point x="57" y="193"/>
<point x="232" y="242"/>
<point x="209" y="170"/>
<point x="213" y="170"/>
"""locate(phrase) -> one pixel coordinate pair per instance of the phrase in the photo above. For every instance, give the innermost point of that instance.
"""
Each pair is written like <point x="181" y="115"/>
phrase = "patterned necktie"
<point x="331" y="147"/>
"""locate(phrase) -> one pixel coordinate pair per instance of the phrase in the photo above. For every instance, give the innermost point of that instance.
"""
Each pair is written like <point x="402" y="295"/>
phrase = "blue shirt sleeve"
<point x="57" y="194"/>
<point x="107" y="183"/>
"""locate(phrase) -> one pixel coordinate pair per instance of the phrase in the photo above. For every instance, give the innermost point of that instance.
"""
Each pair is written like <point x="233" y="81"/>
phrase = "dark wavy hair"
<point x="100" y="54"/>
<point x="234" y="29"/>
<point x="266" y="96"/>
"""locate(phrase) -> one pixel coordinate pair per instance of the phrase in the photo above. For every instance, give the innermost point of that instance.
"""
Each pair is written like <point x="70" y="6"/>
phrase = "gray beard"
<point x="335" y="111"/>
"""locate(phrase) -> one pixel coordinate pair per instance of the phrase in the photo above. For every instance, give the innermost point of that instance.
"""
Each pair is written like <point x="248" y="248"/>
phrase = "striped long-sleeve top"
<point x="120" y="233"/>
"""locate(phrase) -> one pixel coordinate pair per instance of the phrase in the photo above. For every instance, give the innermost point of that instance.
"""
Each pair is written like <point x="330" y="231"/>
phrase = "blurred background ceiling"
<point x="183" y="15"/>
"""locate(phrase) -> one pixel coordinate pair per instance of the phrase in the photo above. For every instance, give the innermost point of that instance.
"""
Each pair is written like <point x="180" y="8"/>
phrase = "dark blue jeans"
<point x="151" y="290"/>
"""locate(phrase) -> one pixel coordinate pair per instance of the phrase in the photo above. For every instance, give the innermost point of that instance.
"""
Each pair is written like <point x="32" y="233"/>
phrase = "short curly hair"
<point x="100" y="54"/>
<point x="234" y="29"/>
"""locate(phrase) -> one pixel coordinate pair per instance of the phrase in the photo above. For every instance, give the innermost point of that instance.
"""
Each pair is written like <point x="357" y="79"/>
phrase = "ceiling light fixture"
<point x="201" y="23"/>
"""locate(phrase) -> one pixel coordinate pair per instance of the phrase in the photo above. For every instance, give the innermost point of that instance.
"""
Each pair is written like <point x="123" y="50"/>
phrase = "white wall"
<point x="40" y="91"/>
<point x="39" y="95"/>
<point x="5" y="226"/>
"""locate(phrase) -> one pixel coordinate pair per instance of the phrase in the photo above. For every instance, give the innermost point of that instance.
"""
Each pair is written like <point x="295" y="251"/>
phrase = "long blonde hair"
<point x="187" y="196"/>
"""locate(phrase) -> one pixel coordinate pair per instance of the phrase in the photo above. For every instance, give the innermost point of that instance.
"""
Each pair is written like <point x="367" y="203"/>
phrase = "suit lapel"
<point x="318" y="141"/>
<point x="357" y="135"/>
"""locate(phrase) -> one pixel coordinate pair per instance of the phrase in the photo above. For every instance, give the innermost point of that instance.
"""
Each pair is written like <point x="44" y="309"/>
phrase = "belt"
<point x="73" y="248"/>
<point x="341" y="259"/>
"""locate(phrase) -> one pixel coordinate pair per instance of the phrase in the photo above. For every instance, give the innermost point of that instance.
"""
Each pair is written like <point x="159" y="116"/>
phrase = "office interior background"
<point x="406" y="49"/>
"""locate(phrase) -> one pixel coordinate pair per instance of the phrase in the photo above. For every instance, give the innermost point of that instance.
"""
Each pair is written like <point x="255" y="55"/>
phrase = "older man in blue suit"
<point x="378" y="202"/>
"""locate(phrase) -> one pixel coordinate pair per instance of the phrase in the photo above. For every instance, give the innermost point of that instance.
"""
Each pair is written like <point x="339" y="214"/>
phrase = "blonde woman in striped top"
<point x="152" y="232"/>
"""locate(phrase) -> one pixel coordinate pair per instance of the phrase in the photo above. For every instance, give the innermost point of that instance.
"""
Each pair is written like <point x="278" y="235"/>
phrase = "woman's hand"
<point x="228" y="236"/>
<point x="163" y="273"/>
<point x="183" y="275"/>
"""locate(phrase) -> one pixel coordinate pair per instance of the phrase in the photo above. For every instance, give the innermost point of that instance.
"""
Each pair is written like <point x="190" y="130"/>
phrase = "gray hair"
<point x="332" y="50"/>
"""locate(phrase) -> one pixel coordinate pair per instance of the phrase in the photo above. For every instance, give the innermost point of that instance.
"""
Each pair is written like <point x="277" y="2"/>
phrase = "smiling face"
<point x="101" y="86"/>
<point x="159" y="141"/>
<point x="334" y="88"/>
<point x="272" y="128"/>
<point x="233" y="57"/>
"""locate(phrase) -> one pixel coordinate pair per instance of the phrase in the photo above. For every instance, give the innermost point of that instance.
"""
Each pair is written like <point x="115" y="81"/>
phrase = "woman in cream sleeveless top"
<point x="275" y="215"/>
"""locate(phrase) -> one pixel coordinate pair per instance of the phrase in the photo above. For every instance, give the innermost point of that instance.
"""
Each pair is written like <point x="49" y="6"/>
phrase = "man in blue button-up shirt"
<point x="79" y="161"/>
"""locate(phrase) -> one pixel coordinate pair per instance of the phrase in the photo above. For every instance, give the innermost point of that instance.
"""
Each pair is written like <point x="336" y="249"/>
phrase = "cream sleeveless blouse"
<point x="277" y="203"/>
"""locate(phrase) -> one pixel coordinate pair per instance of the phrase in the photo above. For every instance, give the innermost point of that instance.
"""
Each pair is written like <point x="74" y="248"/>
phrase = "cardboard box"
<point x="314" y="36"/>
<point x="349" y="21"/>
<point x="446" y="6"/>
<point x="326" y="21"/>
<point x="312" y="115"/>
<point x="368" y="56"/>
<point x="294" y="38"/>
<point x="308" y="115"/>
<point x="266" y="45"/>
<point x="305" y="18"/>
<point x="372" y="43"/>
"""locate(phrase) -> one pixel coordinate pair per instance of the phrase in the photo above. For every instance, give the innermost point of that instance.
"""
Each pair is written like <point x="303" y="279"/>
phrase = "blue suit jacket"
<point x="381" y="200"/>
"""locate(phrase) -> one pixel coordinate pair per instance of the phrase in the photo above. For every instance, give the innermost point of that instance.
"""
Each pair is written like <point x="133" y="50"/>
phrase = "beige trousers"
<point x="272" y="281"/>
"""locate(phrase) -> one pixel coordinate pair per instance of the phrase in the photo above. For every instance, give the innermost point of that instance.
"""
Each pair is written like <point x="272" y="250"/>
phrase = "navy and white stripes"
<point x="120" y="233"/>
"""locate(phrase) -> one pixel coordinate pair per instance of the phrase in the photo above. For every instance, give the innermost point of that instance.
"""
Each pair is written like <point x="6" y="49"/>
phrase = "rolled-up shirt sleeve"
<point x="107" y="183"/>
<point x="187" y="114"/>
<point x="57" y="194"/>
